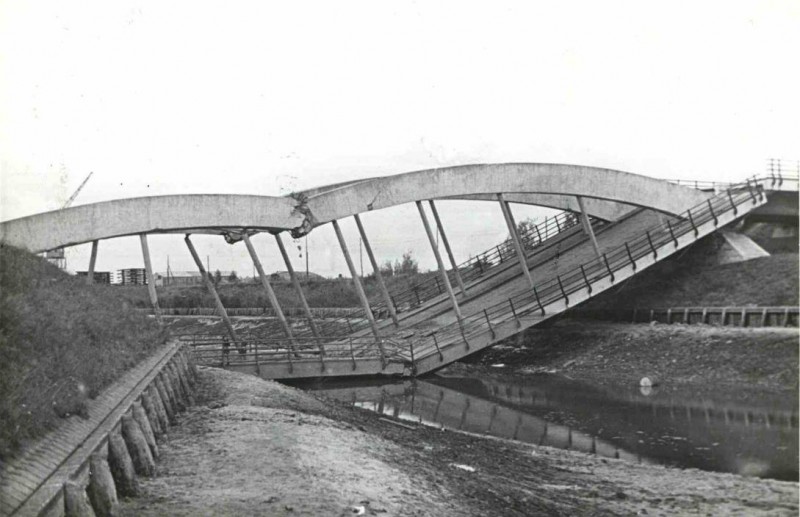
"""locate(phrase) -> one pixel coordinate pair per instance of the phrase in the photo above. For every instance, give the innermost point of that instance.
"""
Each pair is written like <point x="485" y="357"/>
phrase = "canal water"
<point x="637" y="424"/>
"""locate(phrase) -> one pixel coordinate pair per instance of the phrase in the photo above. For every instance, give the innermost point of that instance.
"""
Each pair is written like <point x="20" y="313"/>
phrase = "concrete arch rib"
<point x="598" y="208"/>
<point x="512" y="178"/>
<point x="159" y="214"/>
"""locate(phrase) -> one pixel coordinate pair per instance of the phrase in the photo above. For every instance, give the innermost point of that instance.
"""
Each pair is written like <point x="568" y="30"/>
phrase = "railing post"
<point x="733" y="205"/>
<point x="489" y="322"/>
<point x="650" y="240"/>
<point x="447" y="248"/>
<point x="92" y="260"/>
<point x="608" y="267"/>
<point x="752" y="194"/>
<point x="512" y="229"/>
<point x="630" y="255"/>
<point x="359" y="289"/>
<point x="514" y="312"/>
<point x="538" y="301"/>
<point x="561" y="286"/>
<point x="352" y="355"/>
<point x="691" y="221"/>
<point x="378" y="275"/>
<point x="711" y="209"/>
<point x="672" y="233"/>
<point x="436" y="344"/>
<point x="297" y="287"/>
<point x="585" y="279"/>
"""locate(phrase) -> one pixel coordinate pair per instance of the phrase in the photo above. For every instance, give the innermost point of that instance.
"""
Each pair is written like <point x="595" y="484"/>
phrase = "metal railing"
<point x="218" y="351"/>
<point x="534" y="301"/>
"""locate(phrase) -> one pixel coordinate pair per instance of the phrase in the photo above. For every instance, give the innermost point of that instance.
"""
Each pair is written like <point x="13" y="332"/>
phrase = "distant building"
<point x="132" y="276"/>
<point x="178" y="278"/>
<point x="100" y="277"/>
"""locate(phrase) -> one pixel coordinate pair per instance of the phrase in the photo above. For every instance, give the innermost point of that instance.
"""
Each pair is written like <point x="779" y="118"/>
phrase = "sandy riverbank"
<point x="256" y="447"/>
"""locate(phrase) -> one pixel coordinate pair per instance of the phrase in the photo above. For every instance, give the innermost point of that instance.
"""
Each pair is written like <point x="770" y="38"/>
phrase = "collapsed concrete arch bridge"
<point x="612" y="225"/>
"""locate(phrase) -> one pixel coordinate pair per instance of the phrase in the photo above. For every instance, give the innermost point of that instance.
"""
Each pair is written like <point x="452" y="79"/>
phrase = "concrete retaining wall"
<point x="122" y="448"/>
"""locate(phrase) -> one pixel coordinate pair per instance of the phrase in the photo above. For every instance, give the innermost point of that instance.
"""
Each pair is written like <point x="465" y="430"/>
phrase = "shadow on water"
<point x="558" y="412"/>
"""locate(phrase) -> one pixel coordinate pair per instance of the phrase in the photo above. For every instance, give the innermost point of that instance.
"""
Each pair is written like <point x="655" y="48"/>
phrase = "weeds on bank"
<point x="61" y="342"/>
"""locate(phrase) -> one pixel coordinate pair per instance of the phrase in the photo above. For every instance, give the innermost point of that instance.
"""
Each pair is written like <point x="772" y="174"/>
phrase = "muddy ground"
<point x="728" y="363"/>
<point x="255" y="447"/>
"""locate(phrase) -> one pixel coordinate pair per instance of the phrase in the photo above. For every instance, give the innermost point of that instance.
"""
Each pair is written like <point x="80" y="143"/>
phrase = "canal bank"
<point x="254" y="446"/>
<point x="735" y="364"/>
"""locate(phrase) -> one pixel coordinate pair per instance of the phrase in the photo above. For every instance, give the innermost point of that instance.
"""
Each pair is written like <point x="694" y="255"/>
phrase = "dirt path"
<point x="254" y="447"/>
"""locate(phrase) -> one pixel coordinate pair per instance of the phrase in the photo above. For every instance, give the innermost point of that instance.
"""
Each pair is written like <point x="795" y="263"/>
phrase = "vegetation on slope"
<point x="61" y="341"/>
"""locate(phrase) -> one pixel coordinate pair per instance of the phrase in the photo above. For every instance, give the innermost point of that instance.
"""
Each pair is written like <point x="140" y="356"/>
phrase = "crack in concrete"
<point x="309" y="221"/>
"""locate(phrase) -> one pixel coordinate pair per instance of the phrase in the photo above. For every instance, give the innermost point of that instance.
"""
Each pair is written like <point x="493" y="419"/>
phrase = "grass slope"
<point x="60" y="342"/>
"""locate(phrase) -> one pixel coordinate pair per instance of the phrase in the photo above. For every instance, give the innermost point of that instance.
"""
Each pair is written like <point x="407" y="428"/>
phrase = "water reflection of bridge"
<point x="559" y="413"/>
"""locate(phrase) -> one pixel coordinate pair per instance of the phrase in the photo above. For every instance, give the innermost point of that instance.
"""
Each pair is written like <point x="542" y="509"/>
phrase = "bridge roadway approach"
<point x="614" y="224"/>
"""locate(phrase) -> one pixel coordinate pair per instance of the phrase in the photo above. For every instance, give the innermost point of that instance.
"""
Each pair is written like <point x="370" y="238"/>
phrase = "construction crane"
<point x="57" y="256"/>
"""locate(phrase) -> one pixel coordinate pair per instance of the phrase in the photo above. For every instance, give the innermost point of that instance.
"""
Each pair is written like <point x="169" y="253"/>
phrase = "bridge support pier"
<point x="273" y="300"/>
<point x="587" y="227"/>
<point x="297" y="287"/>
<point x="378" y="276"/>
<point x="440" y="263"/>
<point x="151" y="280"/>
<point x="449" y="251"/>
<point x="92" y="261"/>
<point x="210" y="286"/>
<point x="360" y="290"/>
<point x="512" y="229"/>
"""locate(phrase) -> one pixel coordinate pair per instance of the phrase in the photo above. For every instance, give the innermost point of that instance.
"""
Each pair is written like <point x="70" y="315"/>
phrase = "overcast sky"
<point x="265" y="98"/>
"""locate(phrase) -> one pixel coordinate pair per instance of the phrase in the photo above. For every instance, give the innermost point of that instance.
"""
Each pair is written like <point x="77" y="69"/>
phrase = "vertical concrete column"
<point x="359" y="288"/>
<point x="587" y="227"/>
<point x="273" y="300"/>
<point x="447" y="248"/>
<point x="92" y="261"/>
<point x="512" y="229"/>
<point x="440" y="263"/>
<point x="151" y="280"/>
<point x="378" y="276"/>
<point x="210" y="286"/>
<point x="297" y="287"/>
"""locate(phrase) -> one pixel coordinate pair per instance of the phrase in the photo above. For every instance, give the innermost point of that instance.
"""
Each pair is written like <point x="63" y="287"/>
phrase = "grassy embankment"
<point x="61" y="341"/>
